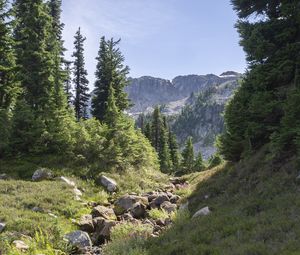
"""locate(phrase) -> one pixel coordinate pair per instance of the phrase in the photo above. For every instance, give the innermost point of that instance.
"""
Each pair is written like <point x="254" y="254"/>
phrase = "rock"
<point x="42" y="174"/>
<point x="37" y="209"/>
<point x="4" y="177"/>
<point x="138" y="210"/>
<point x="168" y="207"/>
<point x="104" y="212"/>
<point x="20" y="245"/>
<point x="126" y="217"/>
<point x="79" y="239"/>
<point x="86" y="223"/>
<point x="52" y="215"/>
<point x="77" y="193"/>
<point x="102" y="229"/>
<point x="160" y="222"/>
<point x="202" y="212"/>
<point x="2" y="226"/>
<point x="108" y="183"/>
<point x="67" y="181"/>
<point x="174" y="199"/>
<point x="160" y="199"/>
<point x="126" y="202"/>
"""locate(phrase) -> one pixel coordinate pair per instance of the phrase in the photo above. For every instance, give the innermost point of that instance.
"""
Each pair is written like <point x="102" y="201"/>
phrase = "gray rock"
<point x="67" y="181"/>
<point x="138" y="210"/>
<point x="108" y="183"/>
<point x="20" y="245"/>
<point x="168" y="207"/>
<point x="202" y="212"/>
<point x="126" y="202"/>
<point x="160" y="199"/>
<point x="102" y="229"/>
<point x="86" y="223"/>
<point x="2" y="226"/>
<point x="79" y="239"/>
<point x="174" y="199"/>
<point x="104" y="212"/>
<point x="4" y="177"/>
<point x="42" y="174"/>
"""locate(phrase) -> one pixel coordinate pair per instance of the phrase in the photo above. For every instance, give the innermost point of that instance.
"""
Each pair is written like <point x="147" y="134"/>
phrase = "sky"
<point x="160" y="38"/>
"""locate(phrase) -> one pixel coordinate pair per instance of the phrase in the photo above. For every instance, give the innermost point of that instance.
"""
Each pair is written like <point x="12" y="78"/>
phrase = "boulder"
<point x="42" y="174"/>
<point x="126" y="217"/>
<point x="68" y="182"/>
<point x="174" y="199"/>
<point x="104" y="212"/>
<point x="162" y="197"/>
<point x="86" y="223"/>
<point x="102" y="229"/>
<point x="202" y="212"/>
<point x="126" y="202"/>
<point x="20" y="245"/>
<point x="2" y="226"/>
<point x="77" y="193"/>
<point x="4" y="177"/>
<point x="79" y="239"/>
<point x="168" y="207"/>
<point x="108" y="183"/>
<point x="138" y="210"/>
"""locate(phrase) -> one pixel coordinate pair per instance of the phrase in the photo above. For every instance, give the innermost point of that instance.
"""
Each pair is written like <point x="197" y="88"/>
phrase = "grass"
<point x="156" y="214"/>
<point x="255" y="211"/>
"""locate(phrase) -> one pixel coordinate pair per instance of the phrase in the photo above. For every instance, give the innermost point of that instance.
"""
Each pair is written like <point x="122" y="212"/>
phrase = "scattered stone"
<point x="67" y="181"/>
<point x="168" y="207"/>
<point x="42" y="174"/>
<point x="86" y="223"/>
<point x="202" y="212"/>
<point x="2" y="226"/>
<point x="52" y="215"/>
<point x="138" y="210"/>
<point x="160" y="199"/>
<point x="37" y="209"/>
<point x="102" y="229"/>
<point x="125" y="203"/>
<point x="174" y="199"/>
<point x="4" y="177"/>
<point x="102" y="211"/>
<point x="108" y="183"/>
<point x="126" y="217"/>
<point x="160" y="222"/>
<point x="20" y="245"/>
<point x="79" y="239"/>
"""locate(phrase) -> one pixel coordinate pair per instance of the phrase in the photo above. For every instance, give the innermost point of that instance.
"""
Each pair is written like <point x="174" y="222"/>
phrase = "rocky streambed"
<point x="95" y="228"/>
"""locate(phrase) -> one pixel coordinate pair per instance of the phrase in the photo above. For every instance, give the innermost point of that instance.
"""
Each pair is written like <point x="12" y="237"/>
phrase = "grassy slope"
<point x="255" y="210"/>
<point x="19" y="196"/>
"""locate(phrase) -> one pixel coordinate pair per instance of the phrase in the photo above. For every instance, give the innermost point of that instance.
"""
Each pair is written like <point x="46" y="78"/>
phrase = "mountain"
<point x="146" y="92"/>
<point x="194" y="102"/>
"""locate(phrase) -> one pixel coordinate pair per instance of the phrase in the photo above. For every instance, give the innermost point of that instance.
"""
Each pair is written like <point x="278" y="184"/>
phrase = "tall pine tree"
<point x="80" y="78"/>
<point x="110" y="71"/>
<point x="188" y="156"/>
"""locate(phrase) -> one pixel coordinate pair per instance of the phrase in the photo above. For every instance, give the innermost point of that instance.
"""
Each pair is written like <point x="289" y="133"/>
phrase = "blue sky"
<point x="161" y="38"/>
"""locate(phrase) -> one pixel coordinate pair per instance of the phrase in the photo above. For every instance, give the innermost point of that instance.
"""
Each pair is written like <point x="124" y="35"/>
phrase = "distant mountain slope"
<point x="146" y="92"/>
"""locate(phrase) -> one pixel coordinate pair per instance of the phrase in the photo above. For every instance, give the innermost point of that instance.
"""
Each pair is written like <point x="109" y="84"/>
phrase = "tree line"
<point x="40" y="114"/>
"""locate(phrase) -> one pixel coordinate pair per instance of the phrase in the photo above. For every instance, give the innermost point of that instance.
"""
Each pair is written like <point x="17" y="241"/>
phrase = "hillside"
<point x="147" y="92"/>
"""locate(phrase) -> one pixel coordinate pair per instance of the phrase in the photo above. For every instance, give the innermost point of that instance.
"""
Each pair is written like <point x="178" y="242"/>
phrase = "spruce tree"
<point x="148" y="131"/>
<point x="112" y="115"/>
<point x="110" y="71"/>
<point x="80" y="78"/>
<point x="68" y="82"/>
<point x="157" y="126"/>
<point x="8" y="84"/>
<point x="174" y="151"/>
<point x="188" y="156"/>
<point x="199" y="163"/>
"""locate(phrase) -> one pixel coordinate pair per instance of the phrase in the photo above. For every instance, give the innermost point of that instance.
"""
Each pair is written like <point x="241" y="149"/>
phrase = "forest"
<point x="78" y="175"/>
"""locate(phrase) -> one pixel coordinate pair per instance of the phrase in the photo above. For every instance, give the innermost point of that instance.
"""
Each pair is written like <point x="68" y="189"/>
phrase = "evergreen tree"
<point x="148" y="131"/>
<point x="188" y="156"/>
<point x="80" y="78"/>
<point x="157" y="126"/>
<point x="8" y="85"/>
<point x="164" y="151"/>
<point x="68" y="82"/>
<point x="199" y="164"/>
<point x="257" y="113"/>
<point x="174" y="151"/>
<point x="112" y="115"/>
<point x="110" y="71"/>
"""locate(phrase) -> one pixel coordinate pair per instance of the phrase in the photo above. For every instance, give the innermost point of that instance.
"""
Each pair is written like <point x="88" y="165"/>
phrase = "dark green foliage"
<point x="199" y="163"/>
<point x="80" y="78"/>
<point x="215" y="160"/>
<point x="68" y="82"/>
<point x="188" y="157"/>
<point x="174" y="151"/>
<point x="110" y="71"/>
<point x="258" y="113"/>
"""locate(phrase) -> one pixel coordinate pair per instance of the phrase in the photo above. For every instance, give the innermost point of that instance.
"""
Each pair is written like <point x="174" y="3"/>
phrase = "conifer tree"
<point x="80" y="78"/>
<point x="157" y="126"/>
<point x="8" y="85"/>
<point x="112" y="112"/>
<point x="188" y="156"/>
<point x="174" y="151"/>
<point x="110" y="71"/>
<point x="199" y="164"/>
<point x="148" y="131"/>
<point x="68" y="82"/>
